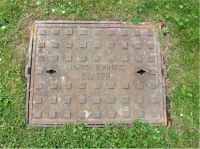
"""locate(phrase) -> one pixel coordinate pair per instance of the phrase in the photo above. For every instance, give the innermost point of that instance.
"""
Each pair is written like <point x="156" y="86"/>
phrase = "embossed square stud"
<point x="40" y="58"/>
<point x="39" y="85"/>
<point x="111" y="32"/>
<point x="39" y="71"/>
<point x="56" y="31"/>
<point x="140" y="99"/>
<point x="82" y="114"/>
<point x="154" y="99"/>
<point x="112" y="114"/>
<point x="68" y="31"/>
<point x="111" y="85"/>
<point x="67" y="99"/>
<point x="97" y="32"/>
<point x="139" y="85"/>
<point x="38" y="100"/>
<point x="124" y="45"/>
<point x="140" y="114"/>
<point x="68" y="58"/>
<point x="53" y="85"/>
<point x="37" y="114"/>
<point x="111" y="58"/>
<point x="124" y="58"/>
<point x="67" y="114"/>
<point x="125" y="99"/>
<point x="83" y="44"/>
<point x="83" y="58"/>
<point x="52" y="114"/>
<point x="82" y="86"/>
<point x="137" y="33"/>
<point x="149" y="32"/>
<point x="96" y="114"/>
<point x="42" y="31"/>
<point x="82" y="31"/>
<point x="111" y="99"/>
<point x="111" y="45"/>
<point x="97" y="100"/>
<point x="97" y="44"/>
<point x="53" y="100"/>
<point x="96" y="85"/>
<point x="69" y="44"/>
<point x="41" y="45"/>
<point x="82" y="99"/>
<point x="124" y="32"/>
<point x="68" y="85"/>
<point x="126" y="114"/>
<point x="97" y="58"/>
<point x="151" y="58"/>
<point x="55" y="44"/>
<point x="125" y="85"/>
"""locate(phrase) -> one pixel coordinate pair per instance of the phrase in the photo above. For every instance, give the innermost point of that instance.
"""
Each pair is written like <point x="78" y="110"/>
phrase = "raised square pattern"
<point x="95" y="72"/>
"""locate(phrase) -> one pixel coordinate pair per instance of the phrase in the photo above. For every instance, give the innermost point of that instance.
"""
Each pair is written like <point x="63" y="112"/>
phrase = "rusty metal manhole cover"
<point x="94" y="72"/>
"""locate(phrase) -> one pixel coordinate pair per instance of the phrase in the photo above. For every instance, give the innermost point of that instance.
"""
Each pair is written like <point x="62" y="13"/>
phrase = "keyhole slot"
<point x="141" y="71"/>
<point x="51" y="71"/>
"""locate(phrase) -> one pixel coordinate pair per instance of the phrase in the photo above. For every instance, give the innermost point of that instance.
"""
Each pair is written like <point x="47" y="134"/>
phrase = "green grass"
<point x="182" y="59"/>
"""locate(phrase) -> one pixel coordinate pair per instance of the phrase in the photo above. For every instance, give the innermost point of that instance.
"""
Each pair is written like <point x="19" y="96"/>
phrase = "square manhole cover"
<point x="94" y="72"/>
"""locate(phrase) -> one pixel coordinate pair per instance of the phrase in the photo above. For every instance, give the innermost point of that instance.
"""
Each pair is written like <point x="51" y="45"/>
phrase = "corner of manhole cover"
<point x="94" y="72"/>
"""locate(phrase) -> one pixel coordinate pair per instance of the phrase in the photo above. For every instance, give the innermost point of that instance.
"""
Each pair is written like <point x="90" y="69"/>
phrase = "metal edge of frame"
<point x="164" y="76"/>
<point x="28" y="73"/>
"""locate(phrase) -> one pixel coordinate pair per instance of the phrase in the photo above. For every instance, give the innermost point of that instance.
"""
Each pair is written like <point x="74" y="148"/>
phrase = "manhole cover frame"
<point x="117" y="23"/>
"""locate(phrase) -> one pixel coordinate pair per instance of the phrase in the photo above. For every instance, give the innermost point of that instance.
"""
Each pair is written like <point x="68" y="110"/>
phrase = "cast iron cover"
<point x="94" y="72"/>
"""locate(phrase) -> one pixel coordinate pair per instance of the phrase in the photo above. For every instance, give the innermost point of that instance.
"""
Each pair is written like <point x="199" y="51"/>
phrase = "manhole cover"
<point x="94" y="72"/>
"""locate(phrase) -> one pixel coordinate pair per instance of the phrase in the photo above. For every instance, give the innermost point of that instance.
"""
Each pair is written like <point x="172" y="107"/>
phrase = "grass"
<point x="182" y="59"/>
